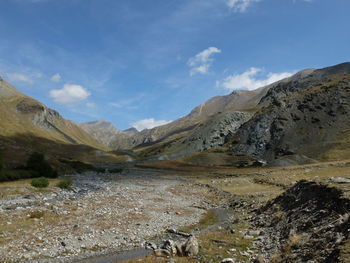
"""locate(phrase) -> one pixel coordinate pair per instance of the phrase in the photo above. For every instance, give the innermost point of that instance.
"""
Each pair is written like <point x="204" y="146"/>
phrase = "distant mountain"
<point x="131" y="131"/>
<point x="102" y="131"/>
<point x="296" y="120"/>
<point x="299" y="119"/>
<point x="27" y="125"/>
<point x="209" y="125"/>
<point x="236" y="101"/>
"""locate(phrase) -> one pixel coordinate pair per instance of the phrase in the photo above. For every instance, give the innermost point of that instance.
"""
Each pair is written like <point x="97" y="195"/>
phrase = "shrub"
<point x="65" y="183"/>
<point x="40" y="182"/>
<point x="37" y="163"/>
<point x="1" y="161"/>
<point x="81" y="167"/>
<point x="115" y="170"/>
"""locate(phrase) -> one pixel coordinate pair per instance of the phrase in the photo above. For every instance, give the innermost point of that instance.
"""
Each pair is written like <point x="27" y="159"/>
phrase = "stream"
<point x="117" y="257"/>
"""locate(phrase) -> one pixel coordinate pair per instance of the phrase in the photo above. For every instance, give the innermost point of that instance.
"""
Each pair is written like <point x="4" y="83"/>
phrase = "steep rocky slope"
<point x="236" y="101"/>
<point x="301" y="118"/>
<point x="212" y="133"/>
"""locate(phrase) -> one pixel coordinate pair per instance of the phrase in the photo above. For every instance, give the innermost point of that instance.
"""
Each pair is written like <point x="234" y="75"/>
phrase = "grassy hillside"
<point x="27" y="126"/>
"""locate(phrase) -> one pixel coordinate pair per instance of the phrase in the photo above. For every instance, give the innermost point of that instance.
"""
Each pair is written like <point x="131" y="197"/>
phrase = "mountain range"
<point x="300" y="119"/>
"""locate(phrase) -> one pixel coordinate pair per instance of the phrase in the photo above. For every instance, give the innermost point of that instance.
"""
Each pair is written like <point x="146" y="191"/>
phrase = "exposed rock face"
<point x="209" y="134"/>
<point x="307" y="223"/>
<point x="305" y="118"/>
<point x="215" y="132"/>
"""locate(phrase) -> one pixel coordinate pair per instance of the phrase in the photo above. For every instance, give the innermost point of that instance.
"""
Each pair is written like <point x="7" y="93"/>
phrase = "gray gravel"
<point x="101" y="214"/>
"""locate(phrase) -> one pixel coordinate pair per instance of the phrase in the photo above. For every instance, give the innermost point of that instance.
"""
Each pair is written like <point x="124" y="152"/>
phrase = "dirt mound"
<point x="307" y="223"/>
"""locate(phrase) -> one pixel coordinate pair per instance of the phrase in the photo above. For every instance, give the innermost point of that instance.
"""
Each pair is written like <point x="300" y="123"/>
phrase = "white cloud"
<point x="201" y="62"/>
<point x="69" y="94"/>
<point x="240" y="5"/>
<point x="18" y="77"/>
<point x="148" y="124"/>
<point x="90" y="105"/>
<point x="56" y="78"/>
<point x="248" y="80"/>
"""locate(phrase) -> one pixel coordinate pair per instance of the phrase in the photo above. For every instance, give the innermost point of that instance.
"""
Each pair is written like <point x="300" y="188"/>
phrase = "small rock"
<point x="228" y="260"/>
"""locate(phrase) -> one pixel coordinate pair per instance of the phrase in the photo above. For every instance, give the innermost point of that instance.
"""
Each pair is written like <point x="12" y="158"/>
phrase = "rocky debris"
<point x="102" y="214"/>
<point x="184" y="246"/>
<point x="339" y="180"/>
<point x="307" y="223"/>
<point x="228" y="260"/>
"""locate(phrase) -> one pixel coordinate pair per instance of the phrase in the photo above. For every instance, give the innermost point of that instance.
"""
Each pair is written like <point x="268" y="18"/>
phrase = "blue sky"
<point x="141" y="63"/>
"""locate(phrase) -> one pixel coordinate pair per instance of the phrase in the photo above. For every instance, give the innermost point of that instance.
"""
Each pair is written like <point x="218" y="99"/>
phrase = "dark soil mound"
<point x="307" y="223"/>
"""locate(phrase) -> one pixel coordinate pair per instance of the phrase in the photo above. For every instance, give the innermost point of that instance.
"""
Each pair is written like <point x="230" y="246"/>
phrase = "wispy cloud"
<point x="19" y="77"/>
<point x="201" y="62"/>
<point x="148" y="124"/>
<point x="69" y="94"/>
<point x="56" y="78"/>
<point x="240" y="5"/>
<point x="129" y="103"/>
<point x="248" y="81"/>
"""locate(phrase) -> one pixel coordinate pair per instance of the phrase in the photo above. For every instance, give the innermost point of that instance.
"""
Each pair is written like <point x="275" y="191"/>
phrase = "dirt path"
<point x="101" y="215"/>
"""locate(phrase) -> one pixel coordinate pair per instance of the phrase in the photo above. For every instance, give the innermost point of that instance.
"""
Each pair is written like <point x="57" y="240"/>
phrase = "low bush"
<point x="81" y="167"/>
<point x="40" y="182"/>
<point x="115" y="170"/>
<point x="65" y="183"/>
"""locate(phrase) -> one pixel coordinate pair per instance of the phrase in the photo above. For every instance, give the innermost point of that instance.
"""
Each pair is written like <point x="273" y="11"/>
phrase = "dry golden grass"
<point x="8" y="189"/>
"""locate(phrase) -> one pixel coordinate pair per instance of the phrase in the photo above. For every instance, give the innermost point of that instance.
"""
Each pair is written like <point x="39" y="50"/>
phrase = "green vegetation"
<point x="39" y="165"/>
<point x="65" y="183"/>
<point x="208" y="219"/>
<point x="40" y="182"/>
<point x="12" y="175"/>
<point x="81" y="167"/>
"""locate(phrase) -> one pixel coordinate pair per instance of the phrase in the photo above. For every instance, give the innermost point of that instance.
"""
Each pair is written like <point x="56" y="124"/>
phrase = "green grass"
<point x="208" y="219"/>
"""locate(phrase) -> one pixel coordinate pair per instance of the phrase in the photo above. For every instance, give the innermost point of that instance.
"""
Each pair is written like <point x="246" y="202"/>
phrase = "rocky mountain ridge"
<point x="306" y="117"/>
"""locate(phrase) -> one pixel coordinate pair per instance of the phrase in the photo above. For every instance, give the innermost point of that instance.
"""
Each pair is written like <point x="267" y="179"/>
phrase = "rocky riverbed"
<point x="102" y="213"/>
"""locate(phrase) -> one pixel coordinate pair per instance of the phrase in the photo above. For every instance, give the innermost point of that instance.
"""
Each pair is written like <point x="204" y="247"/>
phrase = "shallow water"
<point x="118" y="257"/>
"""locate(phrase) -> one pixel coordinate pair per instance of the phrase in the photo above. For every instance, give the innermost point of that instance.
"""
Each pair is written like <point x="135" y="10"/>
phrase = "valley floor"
<point x="103" y="213"/>
<point x="107" y="213"/>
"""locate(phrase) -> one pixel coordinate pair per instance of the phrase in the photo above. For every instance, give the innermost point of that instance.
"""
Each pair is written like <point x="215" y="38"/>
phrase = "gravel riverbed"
<point x="101" y="214"/>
